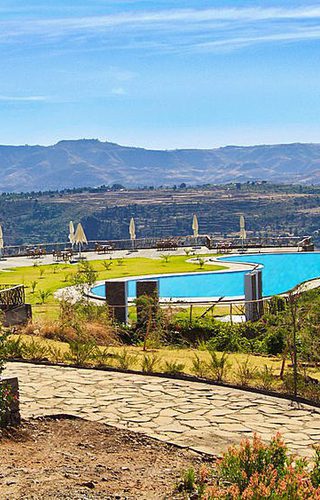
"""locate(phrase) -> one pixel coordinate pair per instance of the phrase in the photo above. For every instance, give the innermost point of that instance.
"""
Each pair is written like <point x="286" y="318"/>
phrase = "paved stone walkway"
<point x="200" y="416"/>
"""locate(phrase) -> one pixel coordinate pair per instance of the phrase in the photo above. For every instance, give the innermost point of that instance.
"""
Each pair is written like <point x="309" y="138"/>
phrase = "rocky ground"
<point x="76" y="459"/>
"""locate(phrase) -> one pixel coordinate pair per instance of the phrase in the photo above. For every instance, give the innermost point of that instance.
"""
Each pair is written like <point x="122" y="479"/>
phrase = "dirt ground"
<point x="77" y="459"/>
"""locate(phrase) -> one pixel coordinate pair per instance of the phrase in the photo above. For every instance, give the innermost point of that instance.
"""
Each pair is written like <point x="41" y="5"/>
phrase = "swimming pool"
<point x="281" y="272"/>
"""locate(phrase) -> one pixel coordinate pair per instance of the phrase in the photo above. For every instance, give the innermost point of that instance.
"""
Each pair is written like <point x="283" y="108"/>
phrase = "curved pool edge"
<point x="217" y="260"/>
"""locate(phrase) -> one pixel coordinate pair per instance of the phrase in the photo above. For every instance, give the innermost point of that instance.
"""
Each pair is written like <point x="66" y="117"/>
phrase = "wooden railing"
<point x="11" y="296"/>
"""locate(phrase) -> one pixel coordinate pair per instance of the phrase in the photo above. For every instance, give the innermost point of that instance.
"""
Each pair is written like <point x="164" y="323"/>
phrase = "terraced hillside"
<point x="105" y="214"/>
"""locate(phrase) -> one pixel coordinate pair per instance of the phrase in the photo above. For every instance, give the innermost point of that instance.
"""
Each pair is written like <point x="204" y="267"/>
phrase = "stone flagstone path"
<point x="192" y="414"/>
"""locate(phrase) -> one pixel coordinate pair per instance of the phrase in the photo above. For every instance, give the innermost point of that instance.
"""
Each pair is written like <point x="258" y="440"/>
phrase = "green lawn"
<point x="54" y="276"/>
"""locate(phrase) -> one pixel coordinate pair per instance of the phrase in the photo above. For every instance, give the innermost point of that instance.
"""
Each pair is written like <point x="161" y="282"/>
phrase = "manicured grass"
<point x="54" y="276"/>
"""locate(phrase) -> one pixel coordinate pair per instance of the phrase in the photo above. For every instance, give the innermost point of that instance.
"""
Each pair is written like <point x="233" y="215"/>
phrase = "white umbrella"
<point x="80" y="237"/>
<point x="1" y="241"/>
<point x="132" y="231"/>
<point x="71" y="233"/>
<point x="195" y="226"/>
<point x="243" y="233"/>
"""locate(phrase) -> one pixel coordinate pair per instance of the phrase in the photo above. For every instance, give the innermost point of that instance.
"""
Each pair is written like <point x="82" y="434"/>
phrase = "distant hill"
<point x="80" y="163"/>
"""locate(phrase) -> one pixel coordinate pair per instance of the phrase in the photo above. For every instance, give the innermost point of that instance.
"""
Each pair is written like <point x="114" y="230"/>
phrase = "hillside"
<point x="81" y="163"/>
<point x="105" y="214"/>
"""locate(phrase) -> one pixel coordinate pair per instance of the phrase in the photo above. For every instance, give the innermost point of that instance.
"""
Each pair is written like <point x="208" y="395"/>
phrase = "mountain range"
<point x="90" y="163"/>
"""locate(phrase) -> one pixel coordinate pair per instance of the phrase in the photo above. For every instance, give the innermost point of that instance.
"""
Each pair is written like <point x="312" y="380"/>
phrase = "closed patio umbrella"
<point x="243" y="233"/>
<point x="71" y="233"/>
<point x="132" y="231"/>
<point x="80" y="237"/>
<point x="195" y="226"/>
<point x="1" y="241"/>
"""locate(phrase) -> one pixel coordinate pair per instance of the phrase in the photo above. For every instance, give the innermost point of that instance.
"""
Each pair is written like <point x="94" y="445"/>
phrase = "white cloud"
<point x="175" y="29"/>
<point x="27" y="98"/>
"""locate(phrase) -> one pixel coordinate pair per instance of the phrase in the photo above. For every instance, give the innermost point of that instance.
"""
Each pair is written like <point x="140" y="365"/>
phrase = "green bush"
<point x="149" y="363"/>
<point x="3" y="352"/>
<point x="219" y="336"/>
<point x="218" y="365"/>
<point x="274" y="341"/>
<point x="125" y="360"/>
<point x="81" y="351"/>
<point x="14" y="348"/>
<point x="173" y="367"/>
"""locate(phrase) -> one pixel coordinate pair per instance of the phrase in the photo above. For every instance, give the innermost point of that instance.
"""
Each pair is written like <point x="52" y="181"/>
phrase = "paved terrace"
<point x="151" y="253"/>
<point x="203" y="417"/>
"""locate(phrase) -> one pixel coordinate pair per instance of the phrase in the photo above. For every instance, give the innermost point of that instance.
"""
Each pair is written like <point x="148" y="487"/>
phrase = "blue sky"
<point x="160" y="73"/>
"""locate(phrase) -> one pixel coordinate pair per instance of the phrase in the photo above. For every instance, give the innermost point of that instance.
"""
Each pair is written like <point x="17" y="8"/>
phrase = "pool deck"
<point x="11" y="262"/>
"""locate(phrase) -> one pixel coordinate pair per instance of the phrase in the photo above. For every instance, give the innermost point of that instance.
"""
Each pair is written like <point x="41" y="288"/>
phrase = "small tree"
<point x="107" y="264"/>
<point x="85" y="277"/>
<point x="201" y="262"/>
<point x="149" y="316"/>
<point x="165" y="257"/>
<point x="33" y="285"/>
<point x="43" y="295"/>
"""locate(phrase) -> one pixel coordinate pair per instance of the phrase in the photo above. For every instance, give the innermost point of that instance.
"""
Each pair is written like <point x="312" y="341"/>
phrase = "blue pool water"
<point x="281" y="272"/>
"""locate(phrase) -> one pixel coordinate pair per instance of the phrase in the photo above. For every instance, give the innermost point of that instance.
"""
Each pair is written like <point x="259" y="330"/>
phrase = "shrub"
<point x="3" y="349"/>
<point x="274" y="341"/>
<point x="43" y="295"/>
<point x="173" y="367"/>
<point x="14" y="348"/>
<point x="125" y="360"/>
<point x="306" y="387"/>
<point x="189" y="480"/>
<point x="277" y="304"/>
<point x="33" y="286"/>
<point x="266" y="377"/>
<point x="81" y="351"/>
<point x="200" y="262"/>
<point x="6" y="399"/>
<point x="55" y="353"/>
<point x="256" y="471"/>
<point x="199" y="367"/>
<point x="94" y="321"/>
<point x="245" y="373"/>
<point x="218" y="365"/>
<point x="36" y="350"/>
<point x="102" y="357"/>
<point x="107" y="264"/>
<point x="165" y="257"/>
<point x="149" y="363"/>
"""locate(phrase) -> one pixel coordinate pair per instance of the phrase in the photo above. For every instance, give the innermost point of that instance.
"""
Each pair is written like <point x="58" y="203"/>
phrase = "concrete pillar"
<point x="117" y="299"/>
<point x="147" y="288"/>
<point x="253" y="292"/>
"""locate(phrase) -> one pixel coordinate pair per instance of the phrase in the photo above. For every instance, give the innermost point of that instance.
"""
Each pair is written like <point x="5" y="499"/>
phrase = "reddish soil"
<point x="77" y="459"/>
